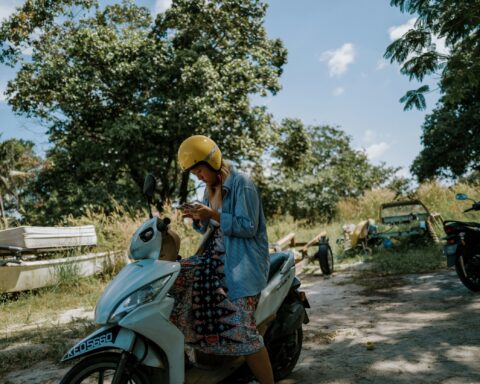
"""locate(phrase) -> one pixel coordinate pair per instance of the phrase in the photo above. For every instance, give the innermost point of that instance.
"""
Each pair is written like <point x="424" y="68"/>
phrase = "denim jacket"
<point x="242" y="222"/>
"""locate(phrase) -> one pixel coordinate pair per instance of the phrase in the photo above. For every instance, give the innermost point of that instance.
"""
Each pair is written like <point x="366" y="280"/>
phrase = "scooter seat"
<point x="277" y="259"/>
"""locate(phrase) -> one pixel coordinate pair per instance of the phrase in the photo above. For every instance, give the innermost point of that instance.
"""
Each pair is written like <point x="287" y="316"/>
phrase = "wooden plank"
<point x="314" y="241"/>
<point x="284" y="242"/>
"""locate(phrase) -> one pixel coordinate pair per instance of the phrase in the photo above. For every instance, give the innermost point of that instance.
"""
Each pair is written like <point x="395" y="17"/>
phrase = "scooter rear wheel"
<point x="468" y="272"/>
<point x="100" y="368"/>
<point x="284" y="354"/>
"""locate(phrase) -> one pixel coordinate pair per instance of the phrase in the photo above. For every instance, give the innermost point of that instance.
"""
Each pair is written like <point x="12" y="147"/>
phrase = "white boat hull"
<point x="38" y="274"/>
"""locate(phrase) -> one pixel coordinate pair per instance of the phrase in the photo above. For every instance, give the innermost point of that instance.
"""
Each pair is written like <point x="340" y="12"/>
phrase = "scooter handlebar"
<point x="162" y="224"/>
<point x="474" y="207"/>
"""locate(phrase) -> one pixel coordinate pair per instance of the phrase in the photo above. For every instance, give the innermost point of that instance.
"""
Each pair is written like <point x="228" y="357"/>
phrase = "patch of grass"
<point x="350" y="258"/>
<point x="67" y="274"/>
<point x="22" y="349"/>
<point x="32" y="306"/>
<point x="404" y="260"/>
<point x="386" y="267"/>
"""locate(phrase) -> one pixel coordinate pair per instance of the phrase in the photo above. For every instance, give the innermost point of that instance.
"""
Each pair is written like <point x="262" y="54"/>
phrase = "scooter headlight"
<point x="141" y="296"/>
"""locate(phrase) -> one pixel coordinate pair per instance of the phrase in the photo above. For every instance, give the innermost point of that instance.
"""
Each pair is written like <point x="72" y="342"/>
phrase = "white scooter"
<point x="138" y="344"/>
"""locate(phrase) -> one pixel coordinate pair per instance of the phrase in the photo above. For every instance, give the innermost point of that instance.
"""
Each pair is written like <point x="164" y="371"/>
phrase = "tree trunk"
<point x="2" y="211"/>
<point x="184" y="187"/>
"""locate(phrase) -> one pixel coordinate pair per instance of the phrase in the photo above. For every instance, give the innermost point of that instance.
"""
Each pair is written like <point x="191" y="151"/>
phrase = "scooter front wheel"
<point x="100" y="368"/>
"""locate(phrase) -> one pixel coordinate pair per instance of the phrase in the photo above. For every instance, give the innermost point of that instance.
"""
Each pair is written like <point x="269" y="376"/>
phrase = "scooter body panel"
<point x="150" y="322"/>
<point x="109" y="337"/>
<point x="146" y="242"/>
<point x="276" y="290"/>
<point x="131" y="278"/>
<point x="115" y="337"/>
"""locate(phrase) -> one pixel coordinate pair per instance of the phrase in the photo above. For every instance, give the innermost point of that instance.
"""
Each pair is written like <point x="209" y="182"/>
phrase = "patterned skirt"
<point x="210" y="321"/>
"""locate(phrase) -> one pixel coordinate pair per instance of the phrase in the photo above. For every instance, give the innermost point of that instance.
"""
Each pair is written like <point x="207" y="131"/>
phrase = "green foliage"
<point x="415" y="98"/>
<point x="450" y="132"/>
<point x="456" y="21"/>
<point x="451" y="142"/>
<point x="18" y="163"/>
<point x="293" y="147"/>
<point x="119" y="91"/>
<point x="313" y="167"/>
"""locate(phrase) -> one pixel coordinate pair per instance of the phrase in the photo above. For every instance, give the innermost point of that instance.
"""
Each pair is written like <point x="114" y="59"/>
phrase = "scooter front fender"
<point x="116" y="337"/>
<point x="149" y="321"/>
<point x="108" y="337"/>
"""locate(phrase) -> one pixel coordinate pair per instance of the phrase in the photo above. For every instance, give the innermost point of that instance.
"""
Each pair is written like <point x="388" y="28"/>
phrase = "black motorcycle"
<point x="463" y="247"/>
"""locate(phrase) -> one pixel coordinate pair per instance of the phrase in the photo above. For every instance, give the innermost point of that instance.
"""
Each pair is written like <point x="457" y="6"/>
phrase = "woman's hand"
<point x="201" y="212"/>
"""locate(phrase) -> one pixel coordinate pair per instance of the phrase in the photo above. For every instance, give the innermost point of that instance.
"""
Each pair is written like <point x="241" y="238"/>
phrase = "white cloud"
<point x="382" y="63"/>
<point x="338" y="60"/>
<point x="338" y="91"/>
<point x="161" y="6"/>
<point x="376" y="150"/>
<point x="396" y="32"/>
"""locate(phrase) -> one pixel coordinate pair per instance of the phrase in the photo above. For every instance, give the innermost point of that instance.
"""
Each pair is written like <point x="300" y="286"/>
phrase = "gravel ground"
<point x="409" y="329"/>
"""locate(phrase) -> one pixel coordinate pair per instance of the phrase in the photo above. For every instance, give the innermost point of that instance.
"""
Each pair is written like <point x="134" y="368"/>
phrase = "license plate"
<point x="450" y="249"/>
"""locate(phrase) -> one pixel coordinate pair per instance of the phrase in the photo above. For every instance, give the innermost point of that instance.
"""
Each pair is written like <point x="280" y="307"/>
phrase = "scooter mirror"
<point x="149" y="185"/>
<point x="461" y="196"/>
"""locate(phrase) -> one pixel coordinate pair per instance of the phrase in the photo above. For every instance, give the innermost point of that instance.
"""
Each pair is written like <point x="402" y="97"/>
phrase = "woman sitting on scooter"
<point x="219" y="287"/>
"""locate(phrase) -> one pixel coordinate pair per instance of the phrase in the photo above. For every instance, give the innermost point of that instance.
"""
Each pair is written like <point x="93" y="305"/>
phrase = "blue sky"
<point x="335" y="75"/>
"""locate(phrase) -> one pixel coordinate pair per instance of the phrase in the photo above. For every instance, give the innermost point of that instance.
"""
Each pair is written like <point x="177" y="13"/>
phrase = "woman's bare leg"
<point x="259" y="364"/>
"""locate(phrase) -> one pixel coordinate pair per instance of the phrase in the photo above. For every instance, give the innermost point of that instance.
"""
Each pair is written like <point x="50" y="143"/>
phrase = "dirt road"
<point x="410" y="329"/>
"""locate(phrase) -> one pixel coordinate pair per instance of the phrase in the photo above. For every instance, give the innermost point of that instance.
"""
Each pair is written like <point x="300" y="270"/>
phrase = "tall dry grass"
<point x="352" y="210"/>
<point x="437" y="198"/>
<point x="115" y="230"/>
<point x="415" y="258"/>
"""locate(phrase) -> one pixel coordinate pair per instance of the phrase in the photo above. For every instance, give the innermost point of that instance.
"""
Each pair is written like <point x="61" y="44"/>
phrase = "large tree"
<point x="311" y="168"/>
<point x="451" y="130"/>
<point x="18" y="165"/>
<point x="119" y="91"/>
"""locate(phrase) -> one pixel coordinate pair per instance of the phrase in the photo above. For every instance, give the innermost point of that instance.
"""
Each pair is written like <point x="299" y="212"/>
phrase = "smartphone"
<point x="187" y="206"/>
